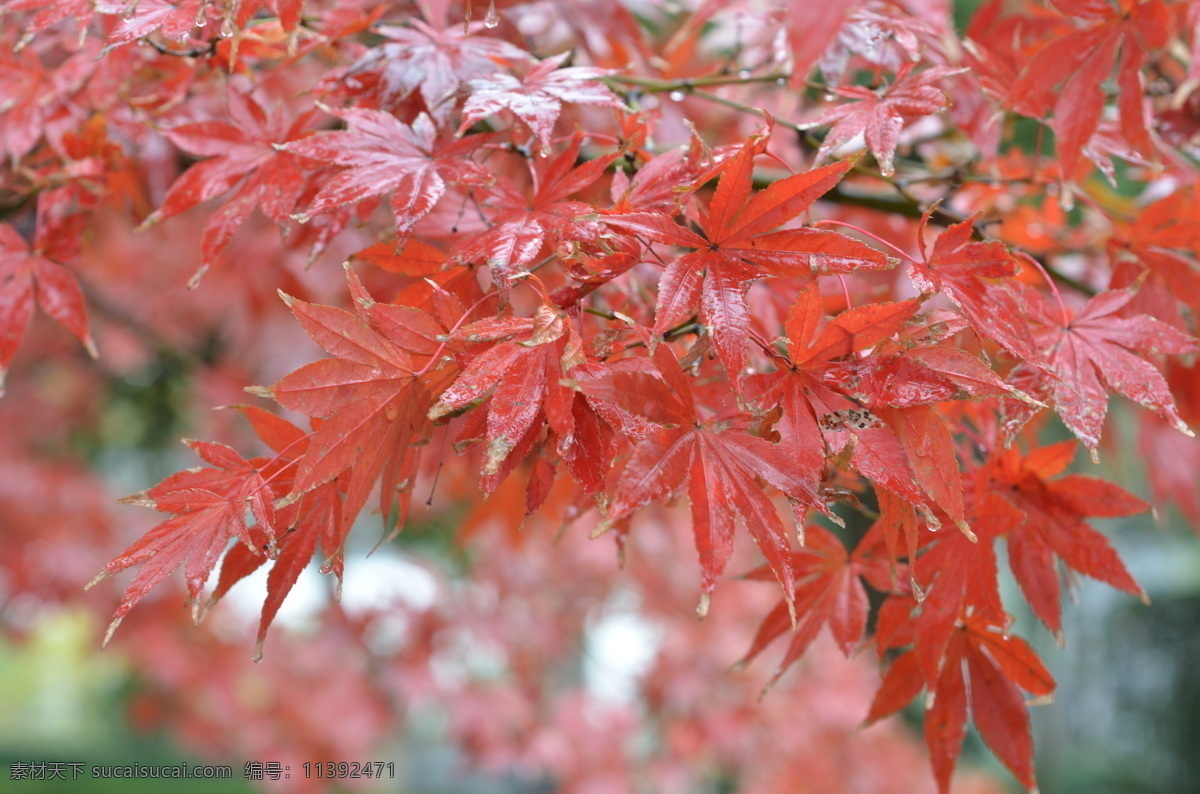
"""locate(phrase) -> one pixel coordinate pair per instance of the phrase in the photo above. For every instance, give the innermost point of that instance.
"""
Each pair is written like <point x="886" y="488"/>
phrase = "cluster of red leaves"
<point x="587" y="312"/>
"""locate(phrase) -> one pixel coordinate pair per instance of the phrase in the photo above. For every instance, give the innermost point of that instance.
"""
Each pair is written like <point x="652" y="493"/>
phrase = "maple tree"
<point x="808" y="284"/>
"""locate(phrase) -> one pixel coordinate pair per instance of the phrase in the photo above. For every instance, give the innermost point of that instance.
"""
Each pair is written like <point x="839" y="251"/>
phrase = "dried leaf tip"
<point x="140" y="499"/>
<point x="917" y="591"/>
<point x="966" y="530"/>
<point x="600" y="529"/>
<point x="108" y="635"/>
<point x="260" y="391"/>
<point x="1025" y="398"/>
<point x="287" y="299"/>
<point x="194" y="281"/>
<point x="151" y="220"/>
<point x="291" y="498"/>
<point x="208" y="605"/>
<point x="702" y="607"/>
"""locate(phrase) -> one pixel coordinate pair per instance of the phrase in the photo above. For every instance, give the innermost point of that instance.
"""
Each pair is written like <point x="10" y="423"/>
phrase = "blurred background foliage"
<point x="1124" y="720"/>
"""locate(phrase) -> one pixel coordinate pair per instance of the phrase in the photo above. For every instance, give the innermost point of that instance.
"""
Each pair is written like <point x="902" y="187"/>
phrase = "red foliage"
<point x="593" y="278"/>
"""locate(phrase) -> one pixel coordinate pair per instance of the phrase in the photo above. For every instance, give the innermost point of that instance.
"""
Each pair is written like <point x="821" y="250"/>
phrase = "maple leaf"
<point x="916" y="376"/>
<point x="1054" y="525"/>
<point x="35" y="100"/>
<point x="383" y="155"/>
<point x="654" y="186"/>
<point x="27" y="276"/>
<point x="286" y="11"/>
<point x="717" y="460"/>
<point x="1165" y="237"/>
<point x="524" y="226"/>
<point x="243" y="152"/>
<point x="435" y="62"/>
<point x="537" y="100"/>
<point x="208" y="507"/>
<point x="49" y="13"/>
<point x="829" y="591"/>
<point x="315" y="521"/>
<point x="959" y="574"/>
<point x="1082" y="60"/>
<point x="735" y="245"/>
<point x="175" y="20"/>
<point x="983" y="671"/>
<point x="1097" y="350"/>
<point x="879" y="118"/>
<point x="966" y="272"/>
<point x="816" y="418"/>
<point x="1171" y="459"/>
<point x="371" y="395"/>
<point x="811" y="28"/>
<point x="520" y="378"/>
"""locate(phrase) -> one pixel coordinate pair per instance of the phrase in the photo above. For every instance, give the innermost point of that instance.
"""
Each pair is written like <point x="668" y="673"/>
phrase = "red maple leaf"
<point x="829" y="591"/>
<point x="968" y="272"/>
<point x="959" y="574"/>
<point x="1172" y="459"/>
<point x="716" y="459"/>
<point x="315" y="521"/>
<point x="1165" y="237"/>
<point x="1054" y="526"/>
<point x="880" y="117"/>
<point x="371" y="395"/>
<point x="380" y="155"/>
<point x="520" y="379"/>
<point x="208" y="507"/>
<point x="1082" y="61"/>
<point x="436" y="62"/>
<point x="37" y="100"/>
<point x="243" y="152"/>
<point x="537" y="99"/>
<point x="1097" y="350"/>
<point x="286" y="11"/>
<point x="916" y="376"/>
<point x="175" y="20"/>
<point x="984" y="670"/>
<point x="27" y="276"/>
<point x="907" y="451"/>
<point x="49" y="13"/>
<point x="525" y="226"/>
<point x="735" y="245"/>
<point x="811" y="28"/>
<point x="654" y="187"/>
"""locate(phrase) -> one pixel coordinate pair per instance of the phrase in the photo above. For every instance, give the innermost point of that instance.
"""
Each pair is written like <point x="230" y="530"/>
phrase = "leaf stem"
<point x="654" y="85"/>
<point x="1066" y="320"/>
<point x="438" y="353"/>
<point x="863" y="231"/>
